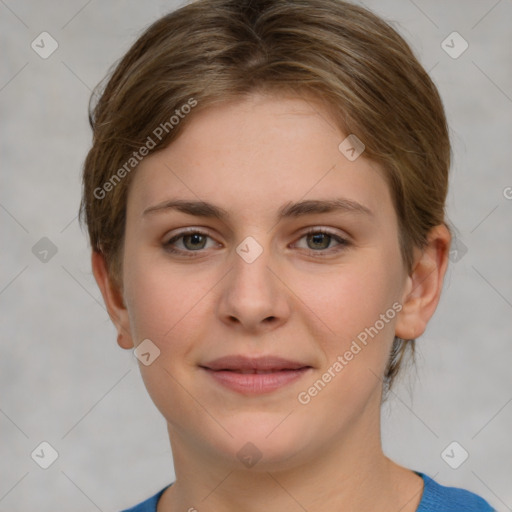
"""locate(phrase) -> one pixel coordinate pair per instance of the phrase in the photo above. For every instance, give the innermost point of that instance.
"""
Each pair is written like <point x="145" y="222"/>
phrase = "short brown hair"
<point x="211" y="51"/>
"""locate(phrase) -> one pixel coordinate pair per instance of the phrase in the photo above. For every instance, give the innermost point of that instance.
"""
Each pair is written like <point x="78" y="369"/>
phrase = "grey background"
<point x="64" y="380"/>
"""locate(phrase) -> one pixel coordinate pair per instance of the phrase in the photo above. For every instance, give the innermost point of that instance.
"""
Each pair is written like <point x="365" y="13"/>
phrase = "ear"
<point x="113" y="300"/>
<point x="424" y="285"/>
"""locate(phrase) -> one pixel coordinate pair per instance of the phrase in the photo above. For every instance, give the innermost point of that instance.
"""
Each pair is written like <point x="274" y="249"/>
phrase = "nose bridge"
<point x="250" y="277"/>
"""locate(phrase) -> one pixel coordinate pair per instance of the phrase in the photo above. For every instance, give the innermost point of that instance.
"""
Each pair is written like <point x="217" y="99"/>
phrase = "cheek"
<point x="356" y="307"/>
<point x="354" y="298"/>
<point x="160" y="297"/>
<point x="169" y="308"/>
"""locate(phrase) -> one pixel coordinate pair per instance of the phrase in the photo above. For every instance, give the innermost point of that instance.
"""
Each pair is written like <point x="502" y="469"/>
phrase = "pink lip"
<point x="255" y="375"/>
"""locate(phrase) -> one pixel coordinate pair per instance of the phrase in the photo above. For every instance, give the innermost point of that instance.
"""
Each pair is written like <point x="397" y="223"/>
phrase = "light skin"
<point x="305" y="297"/>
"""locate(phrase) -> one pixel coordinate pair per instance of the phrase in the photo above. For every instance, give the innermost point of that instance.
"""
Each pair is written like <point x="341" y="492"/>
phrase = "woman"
<point x="265" y="203"/>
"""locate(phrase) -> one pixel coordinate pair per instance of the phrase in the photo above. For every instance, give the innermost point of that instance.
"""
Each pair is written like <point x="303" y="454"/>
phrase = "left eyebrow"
<point x="313" y="206"/>
<point x="289" y="210"/>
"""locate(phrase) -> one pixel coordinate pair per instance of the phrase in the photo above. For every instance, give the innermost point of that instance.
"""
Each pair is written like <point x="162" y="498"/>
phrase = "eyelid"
<point x="190" y="230"/>
<point x="310" y="230"/>
<point x="328" y="231"/>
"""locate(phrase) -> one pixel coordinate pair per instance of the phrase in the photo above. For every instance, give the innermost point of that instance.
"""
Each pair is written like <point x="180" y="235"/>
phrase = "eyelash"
<point x="342" y="242"/>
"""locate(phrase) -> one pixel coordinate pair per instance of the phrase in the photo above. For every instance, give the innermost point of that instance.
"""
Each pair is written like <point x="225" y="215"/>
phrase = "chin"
<point x="267" y="442"/>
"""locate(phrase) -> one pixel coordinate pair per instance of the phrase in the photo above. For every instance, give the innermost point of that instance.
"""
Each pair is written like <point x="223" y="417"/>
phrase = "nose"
<point x="253" y="297"/>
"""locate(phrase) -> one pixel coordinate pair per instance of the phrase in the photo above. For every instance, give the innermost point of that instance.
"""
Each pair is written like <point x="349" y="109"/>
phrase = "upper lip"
<point x="239" y="362"/>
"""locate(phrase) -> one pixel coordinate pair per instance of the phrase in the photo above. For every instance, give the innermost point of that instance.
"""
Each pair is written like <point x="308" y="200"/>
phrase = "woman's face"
<point x="283" y="257"/>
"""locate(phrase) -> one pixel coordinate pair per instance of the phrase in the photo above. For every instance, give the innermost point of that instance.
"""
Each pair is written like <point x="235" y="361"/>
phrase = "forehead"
<point x="251" y="156"/>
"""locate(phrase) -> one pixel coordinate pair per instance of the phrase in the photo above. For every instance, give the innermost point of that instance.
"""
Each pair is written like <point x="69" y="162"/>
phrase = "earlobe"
<point x="113" y="300"/>
<point x="424" y="285"/>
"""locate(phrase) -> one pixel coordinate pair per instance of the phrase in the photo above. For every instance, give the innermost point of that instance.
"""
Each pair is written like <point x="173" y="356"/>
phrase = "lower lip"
<point x="256" y="383"/>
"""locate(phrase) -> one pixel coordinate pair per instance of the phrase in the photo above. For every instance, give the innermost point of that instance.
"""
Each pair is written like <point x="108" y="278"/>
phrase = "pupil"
<point x="317" y="239"/>
<point x="195" y="239"/>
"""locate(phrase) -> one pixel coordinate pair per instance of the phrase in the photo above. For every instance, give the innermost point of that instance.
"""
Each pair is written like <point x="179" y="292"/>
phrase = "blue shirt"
<point x="435" y="498"/>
